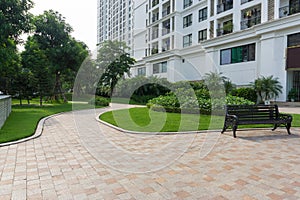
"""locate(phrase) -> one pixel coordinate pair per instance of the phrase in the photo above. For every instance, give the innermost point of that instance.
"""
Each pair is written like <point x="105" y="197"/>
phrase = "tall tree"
<point x="35" y="59"/>
<point x="14" y="20"/>
<point x="64" y="53"/>
<point x="114" y="59"/>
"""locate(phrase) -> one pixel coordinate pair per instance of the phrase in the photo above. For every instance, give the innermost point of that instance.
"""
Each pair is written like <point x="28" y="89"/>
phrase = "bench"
<point x="255" y="114"/>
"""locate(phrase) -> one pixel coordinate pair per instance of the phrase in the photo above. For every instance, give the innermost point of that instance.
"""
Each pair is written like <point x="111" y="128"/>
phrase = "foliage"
<point x="24" y="84"/>
<point x="64" y="53"/>
<point x="14" y="20"/>
<point x="292" y="94"/>
<point x="35" y="59"/>
<point x="246" y="93"/>
<point x="114" y="60"/>
<point x="267" y="88"/>
<point x="99" y="101"/>
<point x="142" y="89"/>
<point x="184" y="99"/>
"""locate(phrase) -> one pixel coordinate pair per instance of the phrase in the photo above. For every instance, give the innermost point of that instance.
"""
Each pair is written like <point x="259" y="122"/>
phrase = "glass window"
<point x="187" y="3"/>
<point x="187" y="21"/>
<point x="202" y="14"/>
<point x="164" y="66"/>
<point x="238" y="54"/>
<point x="202" y="35"/>
<point x="187" y="40"/>
<point x="142" y="71"/>
<point x="156" y="68"/>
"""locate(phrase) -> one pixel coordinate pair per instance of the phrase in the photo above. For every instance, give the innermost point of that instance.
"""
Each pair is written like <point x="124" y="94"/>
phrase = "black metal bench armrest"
<point x="286" y="117"/>
<point x="231" y="118"/>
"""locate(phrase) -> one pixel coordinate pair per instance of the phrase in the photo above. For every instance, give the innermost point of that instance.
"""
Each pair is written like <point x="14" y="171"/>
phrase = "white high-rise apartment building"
<point x="243" y="39"/>
<point x="115" y="20"/>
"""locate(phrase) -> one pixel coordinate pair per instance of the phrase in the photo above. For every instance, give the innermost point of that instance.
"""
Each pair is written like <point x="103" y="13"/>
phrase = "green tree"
<point x="23" y="84"/>
<point x="267" y="88"/>
<point x="64" y="53"/>
<point x="35" y="59"/>
<point x="115" y="61"/>
<point x="14" y="20"/>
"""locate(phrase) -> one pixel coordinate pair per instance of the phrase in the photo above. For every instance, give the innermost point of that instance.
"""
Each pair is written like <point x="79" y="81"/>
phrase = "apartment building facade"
<point x="243" y="39"/>
<point x="115" y="21"/>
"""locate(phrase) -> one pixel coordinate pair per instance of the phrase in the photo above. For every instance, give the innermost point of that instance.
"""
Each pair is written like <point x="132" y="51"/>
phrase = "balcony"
<point x="226" y="29"/>
<point x="289" y="10"/>
<point x="226" y="5"/>
<point x="250" y="22"/>
<point x="154" y="51"/>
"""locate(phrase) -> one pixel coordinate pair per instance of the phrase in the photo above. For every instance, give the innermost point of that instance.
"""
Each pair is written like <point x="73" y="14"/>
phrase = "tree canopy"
<point x="114" y="59"/>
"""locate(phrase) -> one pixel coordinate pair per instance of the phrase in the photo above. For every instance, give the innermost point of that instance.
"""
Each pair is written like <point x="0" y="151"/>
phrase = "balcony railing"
<point x="154" y="51"/>
<point x="250" y="22"/>
<point x="224" y="6"/>
<point x="289" y="10"/>
<point x="224" y="31"/>
<point x="245" y="1"/>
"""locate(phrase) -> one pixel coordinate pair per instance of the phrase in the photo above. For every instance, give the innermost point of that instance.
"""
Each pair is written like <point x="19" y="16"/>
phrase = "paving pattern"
<point x="78" y="158"/>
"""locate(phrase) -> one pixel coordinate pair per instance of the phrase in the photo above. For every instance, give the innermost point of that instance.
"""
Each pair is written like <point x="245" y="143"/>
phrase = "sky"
<point x="80" y="14"/>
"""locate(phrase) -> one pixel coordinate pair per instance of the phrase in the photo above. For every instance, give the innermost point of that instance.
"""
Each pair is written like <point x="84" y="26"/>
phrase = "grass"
<point x="23" y="120"/>
<point x="138" y="119"/>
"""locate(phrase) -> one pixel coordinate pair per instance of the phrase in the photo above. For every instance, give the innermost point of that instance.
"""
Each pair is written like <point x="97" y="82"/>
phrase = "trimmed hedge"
<point x="246" y="93"/>
<point x="99" y="101"/>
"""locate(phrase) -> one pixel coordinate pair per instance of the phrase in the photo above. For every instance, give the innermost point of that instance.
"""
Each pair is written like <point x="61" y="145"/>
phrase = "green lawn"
<point x="23" y="120"/>
<point x="169" y="122"/>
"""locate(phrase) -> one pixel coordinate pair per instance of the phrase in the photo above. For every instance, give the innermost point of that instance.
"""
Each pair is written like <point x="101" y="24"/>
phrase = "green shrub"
<point x="99" y="101"/>
<point x="246" y="93"/>
<point x="68" y="96"/>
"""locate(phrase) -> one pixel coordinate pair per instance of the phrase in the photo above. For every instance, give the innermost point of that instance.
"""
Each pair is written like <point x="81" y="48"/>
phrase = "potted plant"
<point x="292" y="94"/>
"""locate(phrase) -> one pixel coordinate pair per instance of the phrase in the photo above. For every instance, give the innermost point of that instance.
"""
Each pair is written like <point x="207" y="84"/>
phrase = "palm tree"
<point x="272" y="87"/>
<point x="267" y="88"/>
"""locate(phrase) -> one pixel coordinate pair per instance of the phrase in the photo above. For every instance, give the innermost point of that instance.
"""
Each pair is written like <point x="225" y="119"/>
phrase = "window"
<point x="187" y="21"/>
<point x="202" y="35"/>
<point x="156" y="68"/>
<point x="164" y="66"/>
<point x="142" y="71"/>
<point x="187" y="3"/>
<point x="294" y="40"/>
<point x="238" y="54"/>
<point x="202" y="14"/>
<point x="160" y="67"/>
<point x="187" y="40"/>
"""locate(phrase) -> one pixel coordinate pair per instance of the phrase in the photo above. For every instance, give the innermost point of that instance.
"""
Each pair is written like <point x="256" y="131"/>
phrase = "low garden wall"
<point x="5" y="108"/>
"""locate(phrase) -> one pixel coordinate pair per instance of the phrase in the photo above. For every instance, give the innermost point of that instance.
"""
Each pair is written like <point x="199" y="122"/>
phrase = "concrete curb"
<point x="169" y="133"/>
<point x="38" y="132"/>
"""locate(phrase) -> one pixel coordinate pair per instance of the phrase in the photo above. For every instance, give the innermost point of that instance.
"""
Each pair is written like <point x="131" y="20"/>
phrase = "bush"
<point x="99" y="101"/>
<point x="246" y="93"/>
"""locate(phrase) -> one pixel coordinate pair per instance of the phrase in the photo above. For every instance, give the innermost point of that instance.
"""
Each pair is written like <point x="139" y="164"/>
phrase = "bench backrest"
<point x="253" y="112"/>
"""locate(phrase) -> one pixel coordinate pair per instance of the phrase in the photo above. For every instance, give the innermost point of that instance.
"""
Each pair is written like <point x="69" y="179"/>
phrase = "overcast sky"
<point x="80" y="14"/>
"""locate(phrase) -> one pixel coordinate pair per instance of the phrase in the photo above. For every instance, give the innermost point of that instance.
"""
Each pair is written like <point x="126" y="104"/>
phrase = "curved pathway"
<point x="79" y="158"/>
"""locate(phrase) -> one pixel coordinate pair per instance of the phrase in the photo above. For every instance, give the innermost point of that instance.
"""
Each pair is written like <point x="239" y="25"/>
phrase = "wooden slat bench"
<point x="255" y="114"/>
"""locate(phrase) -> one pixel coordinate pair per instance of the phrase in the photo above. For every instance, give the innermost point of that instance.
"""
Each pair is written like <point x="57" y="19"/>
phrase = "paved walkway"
<point x="78" y="158"/>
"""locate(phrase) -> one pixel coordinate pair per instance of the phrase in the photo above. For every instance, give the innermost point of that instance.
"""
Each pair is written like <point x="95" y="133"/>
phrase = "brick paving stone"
<point x="65" y="163"/>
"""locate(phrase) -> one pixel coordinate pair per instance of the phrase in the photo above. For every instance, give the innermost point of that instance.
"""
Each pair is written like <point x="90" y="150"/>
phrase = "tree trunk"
<point x="58" y="89"/>
<point x="41" y="100"/>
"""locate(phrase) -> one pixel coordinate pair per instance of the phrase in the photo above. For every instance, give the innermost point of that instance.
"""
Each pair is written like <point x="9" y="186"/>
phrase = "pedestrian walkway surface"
<point x="79" y="158"/>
